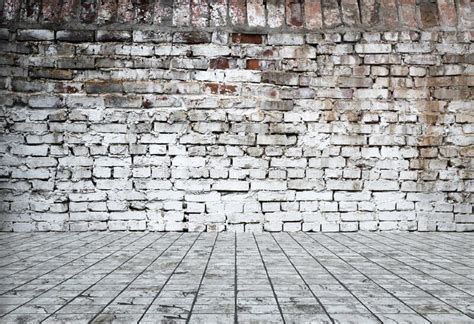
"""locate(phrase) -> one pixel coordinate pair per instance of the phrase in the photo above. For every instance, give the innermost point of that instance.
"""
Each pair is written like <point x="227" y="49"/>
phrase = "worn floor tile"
<point x="226" y="278"/>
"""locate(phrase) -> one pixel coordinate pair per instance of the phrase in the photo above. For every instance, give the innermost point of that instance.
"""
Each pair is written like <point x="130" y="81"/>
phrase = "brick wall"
<point x="225" y="115"/>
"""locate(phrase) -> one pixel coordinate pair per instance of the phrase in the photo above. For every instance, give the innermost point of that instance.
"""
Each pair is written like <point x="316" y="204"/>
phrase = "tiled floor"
<point x="224" y="278"/>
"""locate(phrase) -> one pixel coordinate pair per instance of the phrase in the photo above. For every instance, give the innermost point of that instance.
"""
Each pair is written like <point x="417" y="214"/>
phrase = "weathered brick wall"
<point x="226" y="115"/>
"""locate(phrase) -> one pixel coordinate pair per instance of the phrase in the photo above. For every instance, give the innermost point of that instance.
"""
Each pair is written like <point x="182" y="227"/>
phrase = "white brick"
<point x="268" y="185"/>
<point x="230" y="185"/>
<point x="312" y="195"/>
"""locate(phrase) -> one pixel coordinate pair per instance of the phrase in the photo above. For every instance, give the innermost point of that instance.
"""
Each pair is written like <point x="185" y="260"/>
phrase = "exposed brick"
<point x="253" y="64"/>
<point x="294" y="13"/>
<point x="247" y="38"/>
<point x="223" y="89"/>
<point x="219" y="63"/>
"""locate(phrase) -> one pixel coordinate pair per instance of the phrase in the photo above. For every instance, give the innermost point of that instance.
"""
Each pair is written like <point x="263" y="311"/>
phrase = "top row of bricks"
<point x="246" y="14"/>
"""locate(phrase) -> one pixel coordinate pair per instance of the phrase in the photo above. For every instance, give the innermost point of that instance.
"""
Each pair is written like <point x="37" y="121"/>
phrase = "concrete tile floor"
<point x="246" y="278"/>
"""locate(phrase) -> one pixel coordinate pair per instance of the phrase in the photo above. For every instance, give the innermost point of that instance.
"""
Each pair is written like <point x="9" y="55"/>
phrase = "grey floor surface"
<point x="227" y="278"/>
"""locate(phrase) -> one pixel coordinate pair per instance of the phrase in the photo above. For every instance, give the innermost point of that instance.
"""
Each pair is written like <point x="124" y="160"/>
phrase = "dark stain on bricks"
<point x="194" y="37"/>
<point x="147" y="103"/>
<point x="295" y="13"/>
<point x="219" y="63"/>
<point x="268" y="53"/>
<point x="65" y="88"/>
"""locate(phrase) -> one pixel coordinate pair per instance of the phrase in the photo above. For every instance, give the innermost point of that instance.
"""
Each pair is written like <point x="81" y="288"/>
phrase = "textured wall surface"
<point x="232" y="115"/>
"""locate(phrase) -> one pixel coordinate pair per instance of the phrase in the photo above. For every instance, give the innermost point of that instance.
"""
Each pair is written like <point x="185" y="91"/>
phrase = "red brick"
<point x="350" y="12"/>
<point x="407" y="10"/>
<point x="428" y="14"/>
<point x="447" y="12"/>
<point x="237" y="12"/>
<point x="212" y="87"/>
<point x="313" y="16"/>
<point x="228" y="89"/>
<point x="369" y="12"/>
<point x="253" y="64"/>
<point x="199" y="13"/>
<point x="294" y="13"/>
<point x="268" y="53"/>
<point x="331" y="12"/>
<point x="247" y="38"/>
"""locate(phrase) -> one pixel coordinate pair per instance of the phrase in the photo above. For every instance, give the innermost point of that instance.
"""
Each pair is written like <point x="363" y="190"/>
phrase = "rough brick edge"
<point x="296" y="15"/>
